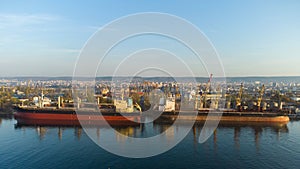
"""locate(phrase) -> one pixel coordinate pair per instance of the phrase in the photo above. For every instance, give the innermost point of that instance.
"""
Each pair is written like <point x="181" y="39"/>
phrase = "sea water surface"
<point x="231" y="146"/>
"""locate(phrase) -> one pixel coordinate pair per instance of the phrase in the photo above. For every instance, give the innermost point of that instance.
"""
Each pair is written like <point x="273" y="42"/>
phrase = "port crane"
<point x="177" y="93"/>
<point x="208" y="84"/>
<point x="207" y="90"/>
<point x="259" y="99"/>
<point x="239" y="98"/>
<point x="217" y="97"/>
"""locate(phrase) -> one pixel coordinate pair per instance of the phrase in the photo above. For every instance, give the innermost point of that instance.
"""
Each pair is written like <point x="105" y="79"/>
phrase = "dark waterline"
<point x="231" y="146"/>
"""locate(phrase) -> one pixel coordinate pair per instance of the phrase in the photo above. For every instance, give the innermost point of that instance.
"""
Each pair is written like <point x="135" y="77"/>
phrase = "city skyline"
<point x="253" y="38"/>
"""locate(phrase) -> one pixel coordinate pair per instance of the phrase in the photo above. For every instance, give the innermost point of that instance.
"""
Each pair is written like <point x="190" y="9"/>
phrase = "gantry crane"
<point x="207" y="90"/>
<point x="259" y="99"/>
<point x="218" y="95"/>
<point x="208" y="84"/>
<point x="239" y="98"/>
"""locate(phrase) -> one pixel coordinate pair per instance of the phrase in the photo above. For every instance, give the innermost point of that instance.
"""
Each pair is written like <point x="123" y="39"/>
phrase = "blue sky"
<point x="39" y="38"/>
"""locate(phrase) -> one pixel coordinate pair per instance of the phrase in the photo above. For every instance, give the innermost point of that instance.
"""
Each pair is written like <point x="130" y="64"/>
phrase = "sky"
<point x="252" y="37"/>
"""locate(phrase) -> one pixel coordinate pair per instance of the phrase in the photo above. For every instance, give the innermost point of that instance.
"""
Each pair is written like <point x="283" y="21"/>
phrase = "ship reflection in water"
<point x="42" y="127"/>
<point x="122" y="132"/>
<point x="33" y="144"/>
<point x="254" y="130"/>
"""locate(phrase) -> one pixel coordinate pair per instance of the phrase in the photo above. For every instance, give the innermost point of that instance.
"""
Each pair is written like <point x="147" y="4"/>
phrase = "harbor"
<point x="140" y="97"/>
<point x="53" y="124"/>
<point x="149" y="84"/>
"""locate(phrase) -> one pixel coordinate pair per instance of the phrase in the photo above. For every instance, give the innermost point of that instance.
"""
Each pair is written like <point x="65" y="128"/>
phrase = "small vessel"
<point x="294" y="116"/>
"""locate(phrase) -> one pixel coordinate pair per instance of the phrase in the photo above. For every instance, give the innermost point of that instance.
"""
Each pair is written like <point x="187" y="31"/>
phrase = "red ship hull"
<point x="74" y="119"/>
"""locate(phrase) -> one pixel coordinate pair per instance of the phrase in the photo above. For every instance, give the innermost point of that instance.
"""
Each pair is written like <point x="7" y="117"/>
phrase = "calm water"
<point x="231" y="146"/>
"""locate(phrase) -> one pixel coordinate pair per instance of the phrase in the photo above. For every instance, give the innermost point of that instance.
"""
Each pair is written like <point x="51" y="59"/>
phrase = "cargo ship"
<point x="229" y="116"/>
<point x="84" y="113"/>
<point x="206" y="108"/>
<point x="72" y="115"/>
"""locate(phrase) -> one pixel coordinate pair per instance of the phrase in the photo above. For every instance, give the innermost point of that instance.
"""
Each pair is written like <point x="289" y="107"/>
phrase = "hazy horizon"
<point x="256" y="76"/>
